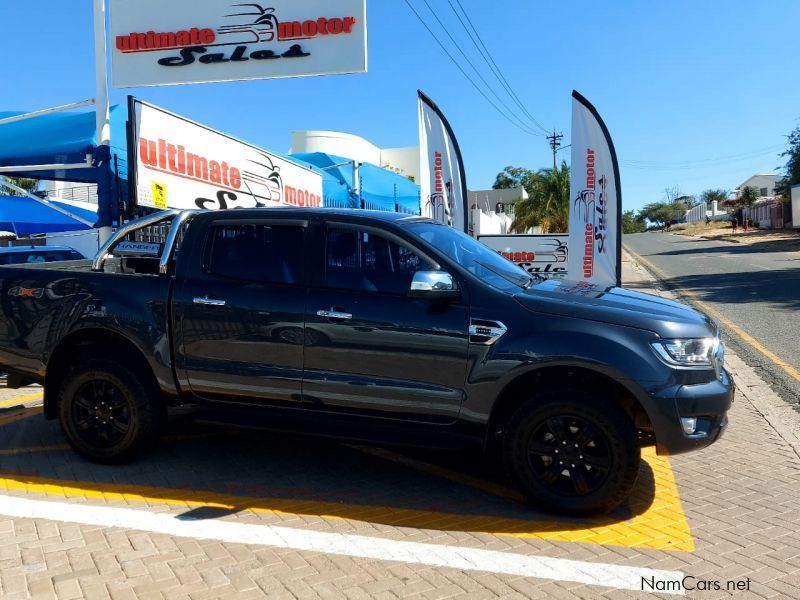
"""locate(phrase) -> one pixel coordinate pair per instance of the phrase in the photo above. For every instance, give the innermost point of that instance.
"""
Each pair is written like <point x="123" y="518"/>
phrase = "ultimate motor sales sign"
<point x="166" y="42"/>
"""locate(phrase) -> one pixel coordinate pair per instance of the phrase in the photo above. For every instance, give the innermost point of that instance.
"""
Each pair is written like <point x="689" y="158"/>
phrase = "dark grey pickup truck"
<point x="368" y="326"/>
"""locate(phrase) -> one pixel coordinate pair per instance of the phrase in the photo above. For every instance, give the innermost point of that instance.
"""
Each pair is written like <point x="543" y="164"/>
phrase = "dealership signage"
<point x="181" y="164"/>
<point x="165" y="42"/>
<point x="595" y="219"/>
<point x="442" y="179"/>
<point x="545" y="255"/>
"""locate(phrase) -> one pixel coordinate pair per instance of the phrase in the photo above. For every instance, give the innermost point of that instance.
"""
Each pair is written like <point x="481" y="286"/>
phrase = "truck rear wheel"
<point x="572" y="451"/>
<point x="107" y="413"/>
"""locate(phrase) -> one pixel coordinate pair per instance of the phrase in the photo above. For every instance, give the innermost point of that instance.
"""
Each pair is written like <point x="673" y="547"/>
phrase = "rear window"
<point x="263" y="253"/>
<point x="34" y="256"/>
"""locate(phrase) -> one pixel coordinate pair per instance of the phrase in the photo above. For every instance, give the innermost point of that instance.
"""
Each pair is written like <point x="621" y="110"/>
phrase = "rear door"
<point x="369" y="348"/>
<point x="240" y="313"/>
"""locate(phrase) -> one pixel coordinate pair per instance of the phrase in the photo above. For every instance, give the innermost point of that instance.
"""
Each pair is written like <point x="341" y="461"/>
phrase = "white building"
<point x="764" y="182"/>
<point x="403" y="161"/>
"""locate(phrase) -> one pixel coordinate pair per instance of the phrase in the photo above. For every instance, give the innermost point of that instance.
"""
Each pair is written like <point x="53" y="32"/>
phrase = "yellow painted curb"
<point x="20" y="400"/>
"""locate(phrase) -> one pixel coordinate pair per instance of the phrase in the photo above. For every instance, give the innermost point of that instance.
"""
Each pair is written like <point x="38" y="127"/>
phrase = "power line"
<point x="699" y="163"/>
<point x="474" y="68"/>
<point x="465" y="74"/>
<point x="487" y="57"/>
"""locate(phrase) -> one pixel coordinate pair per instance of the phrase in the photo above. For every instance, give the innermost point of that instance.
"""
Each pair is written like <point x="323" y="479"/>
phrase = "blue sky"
<point x="682" y="85"/>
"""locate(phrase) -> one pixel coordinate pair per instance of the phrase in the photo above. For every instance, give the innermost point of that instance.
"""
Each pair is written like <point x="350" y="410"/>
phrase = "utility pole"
<point x="555" y="144"/>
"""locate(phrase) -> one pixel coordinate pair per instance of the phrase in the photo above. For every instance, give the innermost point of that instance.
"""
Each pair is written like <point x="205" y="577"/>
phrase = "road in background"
<point x="754" y="287"/>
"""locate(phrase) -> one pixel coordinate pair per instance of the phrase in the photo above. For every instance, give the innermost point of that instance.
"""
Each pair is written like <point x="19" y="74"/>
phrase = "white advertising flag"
<point x="178" y="163"/>
<point x="595" y="218"/>
<point x="168" y="42"/>
<point x="442" y="180"/>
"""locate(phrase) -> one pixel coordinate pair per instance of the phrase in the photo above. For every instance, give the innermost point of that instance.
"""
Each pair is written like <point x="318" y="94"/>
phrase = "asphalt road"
<point x="753" y="286"/>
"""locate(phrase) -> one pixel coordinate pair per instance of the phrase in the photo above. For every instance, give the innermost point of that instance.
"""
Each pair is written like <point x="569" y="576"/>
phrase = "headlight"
<point x="691" y="353"/>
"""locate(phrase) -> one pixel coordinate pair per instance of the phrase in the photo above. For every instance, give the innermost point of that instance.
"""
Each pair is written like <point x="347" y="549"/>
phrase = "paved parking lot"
<point x="221" y="513"/>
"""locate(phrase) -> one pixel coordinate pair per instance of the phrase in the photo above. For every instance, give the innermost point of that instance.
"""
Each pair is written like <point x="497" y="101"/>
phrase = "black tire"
<point x="107" y="413"/>
<point x="572" y="451"/>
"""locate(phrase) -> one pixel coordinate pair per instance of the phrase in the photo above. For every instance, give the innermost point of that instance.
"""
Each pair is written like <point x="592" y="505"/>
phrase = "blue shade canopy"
<point x="58" y="138"/>
<point x="25" y="216"/>
<point x="380" y="189"/>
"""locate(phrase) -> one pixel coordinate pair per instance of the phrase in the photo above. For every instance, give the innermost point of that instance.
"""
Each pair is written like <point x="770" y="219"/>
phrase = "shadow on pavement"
<point x="217" y="472"/>
<point x="779" y="287"/>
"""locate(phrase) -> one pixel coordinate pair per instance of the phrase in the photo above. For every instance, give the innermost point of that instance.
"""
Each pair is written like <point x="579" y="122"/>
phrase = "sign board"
<point x="167" y="42"/>
<point x="442" y="180"/>
<point x="796" y="206"/>
<point x="545" y="255"/>
<point x="181" y="164"/>
<point x="595" y="216"/>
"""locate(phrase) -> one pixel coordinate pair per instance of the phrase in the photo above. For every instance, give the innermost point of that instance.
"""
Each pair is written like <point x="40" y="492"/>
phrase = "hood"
<point x="618" y="306"/>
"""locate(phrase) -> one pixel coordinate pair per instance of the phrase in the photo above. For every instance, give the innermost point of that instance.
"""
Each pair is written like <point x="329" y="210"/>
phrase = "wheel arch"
<point x="82" y="344"/>
<point x="519" y="390"/>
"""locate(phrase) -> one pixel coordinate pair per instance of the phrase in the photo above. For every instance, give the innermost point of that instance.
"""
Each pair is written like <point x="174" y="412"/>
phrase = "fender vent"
<point x="485" y="332"/>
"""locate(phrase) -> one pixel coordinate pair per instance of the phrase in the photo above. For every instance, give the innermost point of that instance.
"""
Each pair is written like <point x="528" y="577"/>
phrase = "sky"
<point x="696" y="95"/>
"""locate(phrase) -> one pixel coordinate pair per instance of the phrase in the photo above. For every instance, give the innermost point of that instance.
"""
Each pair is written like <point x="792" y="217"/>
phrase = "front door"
<point x="240" y="321"/>
<point x="369" y="348"/>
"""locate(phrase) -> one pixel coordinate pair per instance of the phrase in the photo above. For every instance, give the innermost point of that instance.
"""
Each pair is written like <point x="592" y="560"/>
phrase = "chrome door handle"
<point x="334" y="314"/>
<point x="209" y="301"/>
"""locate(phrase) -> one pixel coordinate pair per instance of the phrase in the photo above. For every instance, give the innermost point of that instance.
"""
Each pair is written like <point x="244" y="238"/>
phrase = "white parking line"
<point x="356" y="546"/>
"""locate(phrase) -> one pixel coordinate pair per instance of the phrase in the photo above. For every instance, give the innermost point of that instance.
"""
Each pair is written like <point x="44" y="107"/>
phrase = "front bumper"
<point x="708" y="403"/>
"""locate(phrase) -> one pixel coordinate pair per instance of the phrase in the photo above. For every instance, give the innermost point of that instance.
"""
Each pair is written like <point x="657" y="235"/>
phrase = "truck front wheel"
<point x="107" y="413"/>
<point x="572" y="451"/>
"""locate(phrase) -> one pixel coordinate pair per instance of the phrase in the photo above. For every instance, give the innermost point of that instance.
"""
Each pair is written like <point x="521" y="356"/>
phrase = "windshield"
<point x="481" y="261"/>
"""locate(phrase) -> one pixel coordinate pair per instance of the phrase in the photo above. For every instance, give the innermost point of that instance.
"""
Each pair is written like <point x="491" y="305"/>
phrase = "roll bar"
<point x="178" y="217"/>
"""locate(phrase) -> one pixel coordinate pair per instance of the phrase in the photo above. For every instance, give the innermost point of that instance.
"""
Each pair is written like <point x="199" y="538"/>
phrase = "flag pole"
<point x="102" y="109"/>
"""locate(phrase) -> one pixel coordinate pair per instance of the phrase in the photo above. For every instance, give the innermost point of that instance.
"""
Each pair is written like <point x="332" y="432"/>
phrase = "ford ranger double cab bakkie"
<point x="363" y="325"/>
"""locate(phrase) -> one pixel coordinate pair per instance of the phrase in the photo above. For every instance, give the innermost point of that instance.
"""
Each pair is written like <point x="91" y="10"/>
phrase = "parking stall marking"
<point x="355" y="546"/>
<point x="662" y="525"/>
<point x="21" y="400"/>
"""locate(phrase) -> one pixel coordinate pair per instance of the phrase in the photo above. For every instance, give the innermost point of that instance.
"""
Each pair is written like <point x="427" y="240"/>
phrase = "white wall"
<point x="490" y="223"/>
<point x="796" y="206"/>
<point x="404" y="161"/>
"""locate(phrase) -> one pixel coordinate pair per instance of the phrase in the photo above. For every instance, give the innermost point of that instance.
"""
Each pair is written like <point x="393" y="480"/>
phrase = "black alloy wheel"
<point x="108" y="412"/>
<point x="572" y="451"/>
<point x="101" y="413"/>
<point x="570" y="455"/>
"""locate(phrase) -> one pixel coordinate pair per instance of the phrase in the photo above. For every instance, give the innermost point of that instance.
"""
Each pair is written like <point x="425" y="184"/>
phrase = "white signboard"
<point x="796" y="206"/>
<point x="166" y="42"/>
<point x="442" y="179"/>
<point x="595" y="228"/>
<point x="545" y="255"/>
<point x="181" y="164"/>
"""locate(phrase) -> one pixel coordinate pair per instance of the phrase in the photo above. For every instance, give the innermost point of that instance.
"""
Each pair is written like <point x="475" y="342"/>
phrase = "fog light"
<point x="689" y="425"/>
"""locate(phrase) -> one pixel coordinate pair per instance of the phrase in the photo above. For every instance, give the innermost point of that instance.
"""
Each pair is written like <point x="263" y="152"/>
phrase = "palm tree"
<point x="547" y="205"/>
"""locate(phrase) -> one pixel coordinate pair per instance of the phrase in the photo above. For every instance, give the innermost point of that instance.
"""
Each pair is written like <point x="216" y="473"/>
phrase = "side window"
<point x="263" y="253"/>
<point x="361" y="260"/>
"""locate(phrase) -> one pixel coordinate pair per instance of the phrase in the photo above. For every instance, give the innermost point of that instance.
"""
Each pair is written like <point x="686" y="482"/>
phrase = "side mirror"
<point x="433" y="285"/>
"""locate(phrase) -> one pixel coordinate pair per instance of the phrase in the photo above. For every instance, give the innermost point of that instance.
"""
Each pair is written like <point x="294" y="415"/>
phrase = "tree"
<point x="792" y="167"/>
<point x="547" y="205"/>
<point x="25" y="183"/>
<point x="513" y="178"/>
<point x="710" y="196"/>
<point x="633" y="223"/>
<point x="661" y="213"/>
<point x="748" y="196"/>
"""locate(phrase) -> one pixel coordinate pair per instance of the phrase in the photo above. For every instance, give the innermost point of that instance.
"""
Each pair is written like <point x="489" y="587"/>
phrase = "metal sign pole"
<point x="102" y="109"/>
